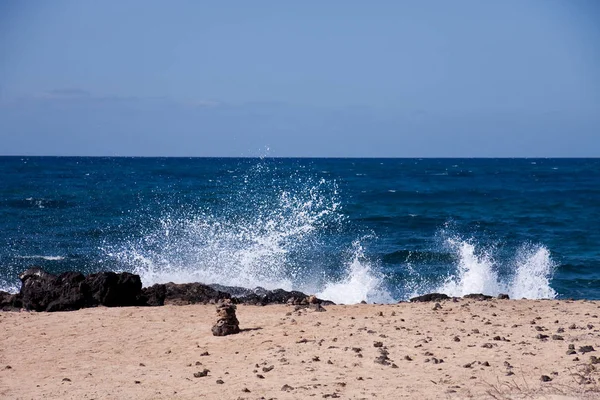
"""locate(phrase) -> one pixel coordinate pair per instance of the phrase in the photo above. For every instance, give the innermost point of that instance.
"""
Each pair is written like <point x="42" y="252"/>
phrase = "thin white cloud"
<point x="66" y="93"/>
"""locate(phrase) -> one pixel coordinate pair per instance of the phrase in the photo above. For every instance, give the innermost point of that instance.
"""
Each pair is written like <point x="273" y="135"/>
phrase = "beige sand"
<point x="153" y="353"/>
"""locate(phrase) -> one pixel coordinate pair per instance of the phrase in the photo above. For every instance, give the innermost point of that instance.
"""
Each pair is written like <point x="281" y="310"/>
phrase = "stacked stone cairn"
<point x="227" y="322"/>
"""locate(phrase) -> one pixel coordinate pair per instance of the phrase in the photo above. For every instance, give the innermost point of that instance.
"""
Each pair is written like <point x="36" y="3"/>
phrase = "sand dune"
<point x="457" y="350"/>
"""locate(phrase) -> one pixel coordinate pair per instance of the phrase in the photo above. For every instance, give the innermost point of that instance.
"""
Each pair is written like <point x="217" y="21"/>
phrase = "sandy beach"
<point x="500" y="349"/>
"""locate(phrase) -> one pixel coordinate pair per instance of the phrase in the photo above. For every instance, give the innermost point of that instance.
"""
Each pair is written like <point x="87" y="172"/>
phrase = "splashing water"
<point x="9" y="287"/>
<point x="274" y="223"/>
<point x="270" y="244"/>
<point x="245" y="250"/>
<point x="475" y="273"/>
<point x="534" y="268"/>
<point x="274" y="236"/>
<point x="529" y="273"/>
<point x="361" y="282"/>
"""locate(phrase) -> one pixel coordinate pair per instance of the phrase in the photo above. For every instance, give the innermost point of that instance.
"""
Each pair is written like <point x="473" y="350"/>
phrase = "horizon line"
<point x="310" y="157"/>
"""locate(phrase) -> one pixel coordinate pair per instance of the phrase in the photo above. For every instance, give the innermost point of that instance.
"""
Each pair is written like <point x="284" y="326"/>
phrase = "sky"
<point x="430" y="78"/>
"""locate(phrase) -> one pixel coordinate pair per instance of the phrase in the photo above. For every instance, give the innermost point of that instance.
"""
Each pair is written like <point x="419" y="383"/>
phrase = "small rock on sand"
<point x="202" y="373"/>
<point x="586" y="349"/>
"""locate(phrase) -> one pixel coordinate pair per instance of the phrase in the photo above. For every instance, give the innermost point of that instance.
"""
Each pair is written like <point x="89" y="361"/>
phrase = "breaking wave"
<point x="287" y="232"/>
<point x="297" y="240"/>
<point x="274" y="240"/>
<point x="526" y="275"/>
<point x="362" y="282"/>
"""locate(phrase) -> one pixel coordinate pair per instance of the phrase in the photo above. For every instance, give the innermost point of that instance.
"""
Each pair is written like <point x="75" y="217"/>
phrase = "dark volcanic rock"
<point x="586" y="349"/>
<point x="430" y="297"/>
<point x="181" y="294"/>
<point x="262" y="296"/>
<point x="9" y="301"/>
<point x="192" y="293"/>
<point x="316" y="307"/>
<point x="236" y="291"/>
<point x="477" y="296"/>
<point x="42" y="291"/>
<point x="277" y="296"/>
<point x="114" y="290"/>
<point x="154" y="295"/>
<point x="383" y="357"/>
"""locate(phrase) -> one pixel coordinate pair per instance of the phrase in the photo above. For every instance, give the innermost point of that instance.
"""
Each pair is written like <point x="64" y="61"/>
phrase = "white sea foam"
<point x="47" y="258"/>
<point x="533" y="270"/>
<point x="475" y="273"/>
<point x="39" y="203"/>
<point x="260" y="248"/>
<point x="281" y="237"/>
<point x="527" y="274"/>
<point x="9" y="287"/>
<point x="360" y="283"/>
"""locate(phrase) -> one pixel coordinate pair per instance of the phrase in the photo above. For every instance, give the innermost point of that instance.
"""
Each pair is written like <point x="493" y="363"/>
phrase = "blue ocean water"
<point x="379" y="230"/>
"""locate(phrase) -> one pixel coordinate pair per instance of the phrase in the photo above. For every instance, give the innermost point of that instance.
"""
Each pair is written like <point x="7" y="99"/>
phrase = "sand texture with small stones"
<point x="498" y="349"/>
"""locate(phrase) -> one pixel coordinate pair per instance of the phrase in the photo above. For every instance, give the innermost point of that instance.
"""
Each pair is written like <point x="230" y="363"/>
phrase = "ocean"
<point x="348" y="230"/>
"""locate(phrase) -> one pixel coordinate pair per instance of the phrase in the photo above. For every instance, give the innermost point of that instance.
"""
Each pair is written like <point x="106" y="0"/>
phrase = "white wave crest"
<point x="474" y="273"/>
<point x="271" y="245"/>
<point x="360" y="283"/>
<point x="533" y="271"/>
<point x="9" y="287"/>
<point x="528" y="273"/>
<point x="47" y="258"/>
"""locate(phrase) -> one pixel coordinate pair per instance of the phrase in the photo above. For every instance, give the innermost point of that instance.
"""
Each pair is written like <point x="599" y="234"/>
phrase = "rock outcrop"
<point x="278" y="296"/>
<point x="182" y="294"/>
<point x="441" y="296"/>
<point x="430" y="297"/>
<point x="114" y="290"/>
<point x="477" y="296"/>
<point x="42" y="291"/>
<point x="9" y="301"/>
<point x="198" y="293"/>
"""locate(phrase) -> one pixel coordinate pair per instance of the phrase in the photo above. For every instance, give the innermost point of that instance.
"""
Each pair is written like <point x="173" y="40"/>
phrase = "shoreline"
<point x="456" y="349"/>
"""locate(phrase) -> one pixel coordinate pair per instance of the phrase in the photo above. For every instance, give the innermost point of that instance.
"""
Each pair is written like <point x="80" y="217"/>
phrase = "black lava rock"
<point x="430" y="297"/>
<point x="42" y="291"/>
<point x="477" y="296"/>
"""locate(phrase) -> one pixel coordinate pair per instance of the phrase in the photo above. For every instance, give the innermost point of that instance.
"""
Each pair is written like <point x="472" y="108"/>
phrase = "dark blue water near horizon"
<point x="347" y="229"/>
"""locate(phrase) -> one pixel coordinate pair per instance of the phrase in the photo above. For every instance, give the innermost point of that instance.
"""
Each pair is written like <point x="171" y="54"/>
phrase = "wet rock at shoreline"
<point x="477" y="296"/>
<point x="114" y="290"/>
<point x="43" y="291"/>
<point x="182" y="294"/>
<point x="198" y="293"/>
<point x="430" y="297"/>
<point x="9" y="301"/>
<point x="263" y="297"/>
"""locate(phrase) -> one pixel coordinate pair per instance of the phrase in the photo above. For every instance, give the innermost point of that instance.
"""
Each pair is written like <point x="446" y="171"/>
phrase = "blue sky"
<point x="463" y="78"/>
